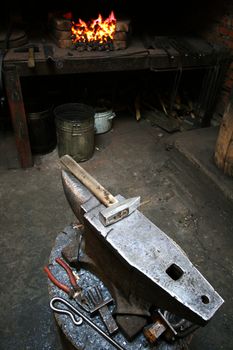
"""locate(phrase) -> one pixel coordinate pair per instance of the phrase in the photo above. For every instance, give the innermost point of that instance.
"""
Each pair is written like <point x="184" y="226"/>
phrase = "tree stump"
<point x="224" y="147"/>
<point x="83" y="336"/>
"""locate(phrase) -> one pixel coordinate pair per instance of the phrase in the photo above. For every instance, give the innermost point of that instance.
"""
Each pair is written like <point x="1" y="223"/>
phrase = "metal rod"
<point x="85" y="318"/>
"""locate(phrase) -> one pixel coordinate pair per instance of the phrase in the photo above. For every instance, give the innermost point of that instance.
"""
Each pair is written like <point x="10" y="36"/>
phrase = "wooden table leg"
<point x="18" y="116"/>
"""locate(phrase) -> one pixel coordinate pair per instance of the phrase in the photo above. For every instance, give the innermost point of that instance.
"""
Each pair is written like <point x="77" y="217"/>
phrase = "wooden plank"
<point x="160" y="119"/>
<point x="228" y="166"/>
<point x="87" y="63"/>
<point x="224" y="136"/>
<point x="18" y="116"/>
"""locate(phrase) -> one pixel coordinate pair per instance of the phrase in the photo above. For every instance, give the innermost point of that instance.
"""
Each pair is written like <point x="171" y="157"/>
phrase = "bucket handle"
<point x="77" y="125"/>
<point x="112" y="116"/>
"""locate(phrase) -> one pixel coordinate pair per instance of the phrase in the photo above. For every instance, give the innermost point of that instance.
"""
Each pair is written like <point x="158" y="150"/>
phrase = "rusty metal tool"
<point x="76" y="291"/>
<point x="96" y="303"/>
<point x="85" y="318"/>
<point x="49" y="55"/>
<point x="116" y="210"/>
<point x="159" y="327"/>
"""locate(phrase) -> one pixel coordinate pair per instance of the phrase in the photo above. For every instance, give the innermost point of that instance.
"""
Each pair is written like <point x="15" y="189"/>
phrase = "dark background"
<point x="159" y="17"/>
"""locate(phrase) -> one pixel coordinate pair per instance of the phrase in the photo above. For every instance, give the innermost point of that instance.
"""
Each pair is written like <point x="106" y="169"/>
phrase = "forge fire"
<point x="96" y="30"/>
<point x="95" y="33"/>
<point x="100" y="34"/>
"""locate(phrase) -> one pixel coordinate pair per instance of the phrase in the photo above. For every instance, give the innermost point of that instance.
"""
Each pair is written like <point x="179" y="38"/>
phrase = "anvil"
<point x="139" y="263"/>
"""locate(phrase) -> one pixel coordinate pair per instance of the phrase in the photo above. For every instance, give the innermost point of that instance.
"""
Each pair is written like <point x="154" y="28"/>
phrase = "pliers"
<point x="76" y="291"/>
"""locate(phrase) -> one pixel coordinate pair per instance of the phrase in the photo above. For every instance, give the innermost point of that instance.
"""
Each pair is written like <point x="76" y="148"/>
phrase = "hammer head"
<point x="119" y="211"/>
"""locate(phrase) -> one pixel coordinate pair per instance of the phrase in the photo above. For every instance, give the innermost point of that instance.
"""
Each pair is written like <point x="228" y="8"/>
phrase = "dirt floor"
<point x="134" y="158"/>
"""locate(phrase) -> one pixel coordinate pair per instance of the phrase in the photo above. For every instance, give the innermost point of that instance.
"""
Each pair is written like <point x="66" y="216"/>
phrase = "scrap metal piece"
<point x="154" y="331"/>
<point x="71" y="250"/>
<point x="131" y="325"/>
<point x="167" y="323"/>
<point x="49" y="55"/>
<point x="96" y="303"/>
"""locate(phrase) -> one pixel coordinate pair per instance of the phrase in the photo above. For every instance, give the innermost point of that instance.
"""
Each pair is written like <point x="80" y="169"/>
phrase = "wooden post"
<point x="224" y="147"/>
<point x="18" y="117"/>
<point x="228" y="166"/>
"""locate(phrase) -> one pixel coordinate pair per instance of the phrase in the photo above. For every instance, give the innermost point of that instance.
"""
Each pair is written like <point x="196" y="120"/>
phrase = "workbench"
<point x="137" y="56"/>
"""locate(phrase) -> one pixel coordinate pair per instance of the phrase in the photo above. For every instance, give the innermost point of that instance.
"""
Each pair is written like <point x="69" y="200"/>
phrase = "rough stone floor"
<point x="133" y="159"/>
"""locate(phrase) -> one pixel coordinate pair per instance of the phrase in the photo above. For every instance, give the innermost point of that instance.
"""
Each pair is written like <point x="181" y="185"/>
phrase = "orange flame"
<point x="97" y="30"/>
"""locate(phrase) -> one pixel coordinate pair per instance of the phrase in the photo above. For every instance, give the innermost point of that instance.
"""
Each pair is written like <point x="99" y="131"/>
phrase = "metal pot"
<point x="103" y="121"/>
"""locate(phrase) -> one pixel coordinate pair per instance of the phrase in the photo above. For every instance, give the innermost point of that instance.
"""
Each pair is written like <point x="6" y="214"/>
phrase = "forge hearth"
<point x="96" y="35"/>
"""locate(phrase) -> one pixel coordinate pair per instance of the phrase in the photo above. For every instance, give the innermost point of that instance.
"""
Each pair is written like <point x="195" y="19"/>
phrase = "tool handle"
<point x="108" y="319"/>
<point x="53" y="279"/>
<point x="72" y="278"/>
<point x="94" y="186"/>
<point x="85" y="318"/>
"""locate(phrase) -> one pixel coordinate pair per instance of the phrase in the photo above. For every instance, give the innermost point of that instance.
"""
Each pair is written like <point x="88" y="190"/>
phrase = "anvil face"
<point x="145" y="264"/>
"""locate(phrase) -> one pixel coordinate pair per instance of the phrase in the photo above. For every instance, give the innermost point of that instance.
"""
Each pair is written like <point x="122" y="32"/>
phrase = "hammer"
<point x="116" y="210"/>
<point x="31" y="49"/>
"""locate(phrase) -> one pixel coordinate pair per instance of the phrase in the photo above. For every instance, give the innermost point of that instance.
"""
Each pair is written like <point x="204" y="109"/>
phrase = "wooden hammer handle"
<point x="94" y="186"/>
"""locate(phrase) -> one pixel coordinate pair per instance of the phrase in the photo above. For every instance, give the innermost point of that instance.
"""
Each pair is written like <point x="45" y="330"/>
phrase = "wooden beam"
<point x="228" y="166"/>
<point x="18" y="116"/>
<point x="224" y="136"/>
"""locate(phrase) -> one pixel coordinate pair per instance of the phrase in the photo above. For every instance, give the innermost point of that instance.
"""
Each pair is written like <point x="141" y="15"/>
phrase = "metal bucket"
<point x="75" y="130"/>
<point x="42" y="131"/>
<point x="103" y="121"/>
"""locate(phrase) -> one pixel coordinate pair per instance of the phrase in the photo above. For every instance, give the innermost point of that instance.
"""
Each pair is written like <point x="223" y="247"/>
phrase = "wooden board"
<point x="158" y="118"/>
<point x="224" y="137"/>
<point x="228" y="166"/>
<point x="18" y="116"/>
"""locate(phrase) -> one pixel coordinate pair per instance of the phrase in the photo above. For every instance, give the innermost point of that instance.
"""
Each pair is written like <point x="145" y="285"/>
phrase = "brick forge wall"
<point x="220" y="30"/>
